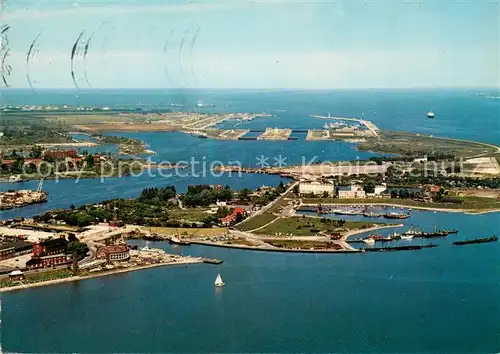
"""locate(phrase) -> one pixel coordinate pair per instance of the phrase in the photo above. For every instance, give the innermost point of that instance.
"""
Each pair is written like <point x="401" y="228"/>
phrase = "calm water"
<point x="436" y="300"/>
<point x="467" y="114"/>
<point x="64" y="193"/>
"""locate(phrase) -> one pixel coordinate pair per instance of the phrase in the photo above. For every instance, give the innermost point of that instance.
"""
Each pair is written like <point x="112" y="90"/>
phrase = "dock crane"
<point x="40" y="185"/>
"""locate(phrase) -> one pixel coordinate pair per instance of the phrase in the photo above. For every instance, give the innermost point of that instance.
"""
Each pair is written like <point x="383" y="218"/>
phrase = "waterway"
<point x="432" y="300"/>
<point x="66" y="192"/>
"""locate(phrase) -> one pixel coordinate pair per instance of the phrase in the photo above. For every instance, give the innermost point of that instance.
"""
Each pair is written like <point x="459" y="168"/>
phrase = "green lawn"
<point x="309" y="226"/>
<point x="264" y="218"/>
<point x="191" y="214"/>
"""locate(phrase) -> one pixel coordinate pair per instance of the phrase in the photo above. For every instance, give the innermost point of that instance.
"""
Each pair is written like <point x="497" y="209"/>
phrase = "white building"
<point x="351" y="192"/>
<point x="317" y="188"/>
<point x="380" y="189"/>
<point x="420" y="159"/>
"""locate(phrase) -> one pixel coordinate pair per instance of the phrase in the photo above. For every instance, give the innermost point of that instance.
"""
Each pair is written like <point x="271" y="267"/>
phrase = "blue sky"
<point x="255" y="44"/>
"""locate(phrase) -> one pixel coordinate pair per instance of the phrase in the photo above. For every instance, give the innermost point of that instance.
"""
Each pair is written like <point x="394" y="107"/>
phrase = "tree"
<point x="369" y="186"/>
<point x="296" y="190"/>
<point x="244" y="194"/>
<point x="89" y="160"/>
<point x="36" y="152"/>
<point x="77" y="250"/>
<point x="394" y="193"/>
<point x="403" y="193"/>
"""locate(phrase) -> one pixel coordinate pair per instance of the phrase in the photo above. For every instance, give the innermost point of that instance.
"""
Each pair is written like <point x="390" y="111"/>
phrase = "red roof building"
<point x="60" y="154"/>
<point x="231" y="218"/>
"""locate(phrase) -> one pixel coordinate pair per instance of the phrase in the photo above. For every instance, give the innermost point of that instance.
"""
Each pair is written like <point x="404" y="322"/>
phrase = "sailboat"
<point x="218" y="281"/>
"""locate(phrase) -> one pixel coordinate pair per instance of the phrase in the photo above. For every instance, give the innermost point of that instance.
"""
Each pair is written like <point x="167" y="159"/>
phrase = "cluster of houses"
<point x="355" y="191"/>
<point x="70" y="156"/>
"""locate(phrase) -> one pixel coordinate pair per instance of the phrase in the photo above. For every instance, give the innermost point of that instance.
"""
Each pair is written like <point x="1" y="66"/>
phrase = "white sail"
<point x="218" y="281"/>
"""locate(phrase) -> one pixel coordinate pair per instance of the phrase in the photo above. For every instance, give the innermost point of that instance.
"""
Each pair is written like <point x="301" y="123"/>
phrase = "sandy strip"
<point x="193" y="260"/>
<point x="270" y="249"/>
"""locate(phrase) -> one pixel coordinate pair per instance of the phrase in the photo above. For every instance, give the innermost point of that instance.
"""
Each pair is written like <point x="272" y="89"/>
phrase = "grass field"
<point x="264" y="218"/>
<point x="308" y="226"/>
<point x="191" y="214"/>
<point x="468" y="203"/>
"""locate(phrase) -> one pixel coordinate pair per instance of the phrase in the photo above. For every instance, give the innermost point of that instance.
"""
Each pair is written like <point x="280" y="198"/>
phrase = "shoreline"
<point x="191" y="260"/>
<point x="466" y="211"/>
<point x="282" y="250"/>
<point x="375" y="228"/>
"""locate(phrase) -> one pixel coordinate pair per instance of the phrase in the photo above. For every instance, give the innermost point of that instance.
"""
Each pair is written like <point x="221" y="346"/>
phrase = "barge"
<point x="477" y="240"/>
<point x="177" y="241"/>
<point x="398" y="248"/>
<point x="399" y="216"/>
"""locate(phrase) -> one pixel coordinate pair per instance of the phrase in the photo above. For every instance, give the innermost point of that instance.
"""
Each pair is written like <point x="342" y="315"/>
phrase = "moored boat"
<point x="477" y="240"/>
<point x="396" y="216"/>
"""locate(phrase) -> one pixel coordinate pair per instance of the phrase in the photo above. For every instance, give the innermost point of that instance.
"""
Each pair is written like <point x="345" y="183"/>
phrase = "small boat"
<point x="395" y="236"/>
<point x="406" y="237"/>
<point x="218" y="281"/>
<point x="376" y="237"/>
<point x="430" y="114"/>
<point x="369" y="241"/>
<point x="396" y="216"/>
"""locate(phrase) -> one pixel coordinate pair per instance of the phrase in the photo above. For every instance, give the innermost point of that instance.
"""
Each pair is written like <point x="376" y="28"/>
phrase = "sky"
<point x="251" y="44"/>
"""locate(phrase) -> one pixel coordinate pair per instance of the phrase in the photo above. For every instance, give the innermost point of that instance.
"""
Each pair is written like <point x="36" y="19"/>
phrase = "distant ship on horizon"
<point x="200" y="104"/>
<point x="176" y="105"/>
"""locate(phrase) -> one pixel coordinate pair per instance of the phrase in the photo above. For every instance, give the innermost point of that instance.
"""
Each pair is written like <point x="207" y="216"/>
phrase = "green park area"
<point x="312" y="226"/>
